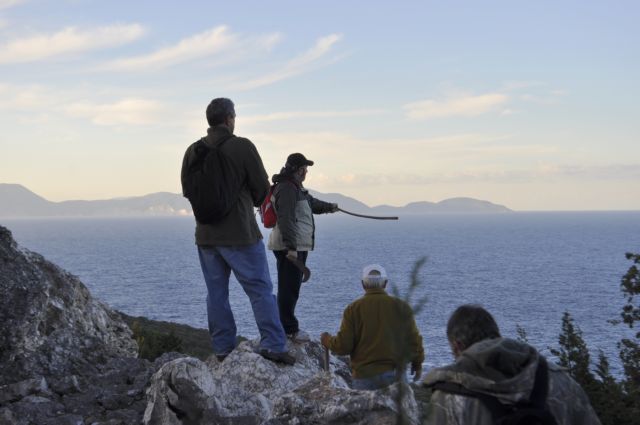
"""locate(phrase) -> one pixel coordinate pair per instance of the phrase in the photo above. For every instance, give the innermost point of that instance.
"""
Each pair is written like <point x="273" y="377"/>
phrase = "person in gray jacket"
<point x="506" y="370"/>
<point x="293" y="235"/>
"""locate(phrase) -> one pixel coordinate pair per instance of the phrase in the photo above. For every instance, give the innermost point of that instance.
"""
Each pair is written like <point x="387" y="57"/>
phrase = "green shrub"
<point x="617" y="402"/>
<point x="152" y="344"/>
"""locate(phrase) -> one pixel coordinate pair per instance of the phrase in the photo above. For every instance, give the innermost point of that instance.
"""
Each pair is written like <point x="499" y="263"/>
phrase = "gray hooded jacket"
<point x="503" y="368"/>
<point x="294" y="206"/>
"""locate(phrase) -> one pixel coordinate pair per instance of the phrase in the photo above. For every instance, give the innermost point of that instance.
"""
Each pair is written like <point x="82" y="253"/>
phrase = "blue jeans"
<point x="249" y="265"/>
<point x="375" y="382"/>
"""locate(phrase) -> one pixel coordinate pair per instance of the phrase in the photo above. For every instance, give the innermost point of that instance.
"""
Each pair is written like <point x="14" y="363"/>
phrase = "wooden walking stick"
<point x="326" y="359"/>
<point x="374" y="217"/>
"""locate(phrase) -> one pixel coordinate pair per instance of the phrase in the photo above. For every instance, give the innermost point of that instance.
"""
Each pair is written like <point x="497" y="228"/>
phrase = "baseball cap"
<point x="366" y="272"/>
<point x="297" y="160"/>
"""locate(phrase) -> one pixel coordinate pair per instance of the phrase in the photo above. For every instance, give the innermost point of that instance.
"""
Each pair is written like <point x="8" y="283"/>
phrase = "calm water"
<point x="526" y="268"/>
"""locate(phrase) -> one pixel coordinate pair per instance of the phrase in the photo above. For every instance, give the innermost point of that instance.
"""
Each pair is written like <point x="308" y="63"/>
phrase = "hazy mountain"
<point x="18" y="201"/>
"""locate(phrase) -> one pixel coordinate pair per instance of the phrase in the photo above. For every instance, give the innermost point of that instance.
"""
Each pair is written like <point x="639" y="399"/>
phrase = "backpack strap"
<point x="536" y="403"/>
<point x="496" y="408"/>
<point x="538" y="397"/>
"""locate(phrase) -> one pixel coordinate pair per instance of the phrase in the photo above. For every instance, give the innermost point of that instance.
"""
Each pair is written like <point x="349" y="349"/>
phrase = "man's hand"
<point x="292" y="253"/>
<point x="334" y="208"/>
<point x="416" y="371"/>
<point x="325" y="338"/>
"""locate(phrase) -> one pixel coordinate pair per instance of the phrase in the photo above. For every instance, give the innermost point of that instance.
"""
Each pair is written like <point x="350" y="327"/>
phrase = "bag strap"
<point x="496" y="408"/>
<point x="537" y="399"/>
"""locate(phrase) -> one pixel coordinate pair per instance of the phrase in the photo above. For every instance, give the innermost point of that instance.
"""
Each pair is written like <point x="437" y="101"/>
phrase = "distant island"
<point x="18" y="201"/>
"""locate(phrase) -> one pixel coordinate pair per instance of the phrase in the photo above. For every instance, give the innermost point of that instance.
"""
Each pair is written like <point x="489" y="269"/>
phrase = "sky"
<point x="528" y="104"/>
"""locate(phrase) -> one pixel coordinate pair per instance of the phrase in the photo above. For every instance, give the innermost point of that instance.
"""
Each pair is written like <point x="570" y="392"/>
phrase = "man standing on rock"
<point x="234" y="242"/>
<point x="380" y="335"/>
<point x="293" y="236"/>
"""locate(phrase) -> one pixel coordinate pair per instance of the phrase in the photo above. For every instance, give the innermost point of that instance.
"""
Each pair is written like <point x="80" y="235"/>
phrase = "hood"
<point x="216" y="134"/>
<point x="501" y="367"/>
<point x="285" y="175"/>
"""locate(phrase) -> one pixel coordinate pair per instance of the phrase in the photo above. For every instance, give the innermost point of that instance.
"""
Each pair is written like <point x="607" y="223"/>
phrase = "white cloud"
<point x="543" y="99"/>
<point x="291" y="115"/>
<point x="298" y="65"/>
<point x="198" y="46"/>
<point x="126" y="111"/>
<point x="67" y="41"/>
<point x="5" y="4"/>
<point x="519" y="85"/>
<point x="548" y="172"/>
<point x="608" y="171"/>
<point x="456" y="106"/>
<point x="28" y="98"/>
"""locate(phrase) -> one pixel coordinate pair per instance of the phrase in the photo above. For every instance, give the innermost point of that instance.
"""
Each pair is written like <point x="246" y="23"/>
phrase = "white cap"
<point x="366" y="272"/>
<point x="374" y="280"/>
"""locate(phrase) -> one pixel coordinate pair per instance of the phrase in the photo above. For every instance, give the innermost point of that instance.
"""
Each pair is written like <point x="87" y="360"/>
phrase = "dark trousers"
<point x="289" y="282"/>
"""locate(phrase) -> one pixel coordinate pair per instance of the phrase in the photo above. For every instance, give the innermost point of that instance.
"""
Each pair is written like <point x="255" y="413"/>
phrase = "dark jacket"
<point x="294" y="206"/>
<point x="506" y="369"/>
<point x="377" y="332"/>
<point x="240" y="226"/>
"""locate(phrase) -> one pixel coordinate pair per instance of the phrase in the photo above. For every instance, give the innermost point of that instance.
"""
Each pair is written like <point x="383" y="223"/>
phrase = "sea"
<point x="526" y="268"/>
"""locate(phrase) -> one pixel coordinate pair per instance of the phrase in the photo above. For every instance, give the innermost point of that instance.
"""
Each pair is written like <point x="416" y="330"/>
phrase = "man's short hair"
<point x="219" y="110"/>
<point x="374" y="276"/>
<point x="471" y="323"/>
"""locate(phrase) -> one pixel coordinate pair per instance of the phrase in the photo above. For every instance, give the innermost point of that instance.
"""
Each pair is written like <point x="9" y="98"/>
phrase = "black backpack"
<point x="532" y="412"/>
<point x="210" y="182"/>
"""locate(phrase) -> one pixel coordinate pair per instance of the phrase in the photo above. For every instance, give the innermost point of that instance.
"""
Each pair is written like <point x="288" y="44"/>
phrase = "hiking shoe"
<point x="299" y="337"/>
<point x="283" y="357"/>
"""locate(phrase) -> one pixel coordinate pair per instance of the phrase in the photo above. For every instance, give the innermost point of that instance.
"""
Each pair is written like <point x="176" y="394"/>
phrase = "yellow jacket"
<point x="379" y="333"/>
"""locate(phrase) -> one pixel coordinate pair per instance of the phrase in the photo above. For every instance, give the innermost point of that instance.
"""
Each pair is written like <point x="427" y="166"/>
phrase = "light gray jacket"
<point x="506" y="369"/>
<point x="294" y="207"/>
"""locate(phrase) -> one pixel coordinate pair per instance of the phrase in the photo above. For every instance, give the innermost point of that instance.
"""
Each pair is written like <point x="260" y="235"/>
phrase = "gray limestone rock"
<point x="246" y="388"/>
<point x="64" y="356"/>
<point x="51" y="325"/>
<point x="21" y="389"/>
<point x="180" y="392"/>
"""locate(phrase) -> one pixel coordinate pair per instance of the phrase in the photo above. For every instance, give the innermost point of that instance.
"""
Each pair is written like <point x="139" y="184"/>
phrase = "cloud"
<point x="67" y="41"/>
<point x="519" y="85"/>
<point x="608" y="171"/>
<point x="549" y="98"/>
<point x="298" y="65"/>
<point x="6" y="4"/>
<point x="126" y="111"/>
<point x="207" y="43"/>
<point x="28" y="98"/>
<point x="455" y="106"/>
<point x="471" y="143"/>
<point x="501" y="176"/>
<point x="291" y="115"/>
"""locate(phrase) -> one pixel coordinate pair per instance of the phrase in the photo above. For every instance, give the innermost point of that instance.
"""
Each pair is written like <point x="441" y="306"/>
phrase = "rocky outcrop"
<point x="247" y="389"/>
<point x="66" y="358"/>
<point x="51" y="325"/>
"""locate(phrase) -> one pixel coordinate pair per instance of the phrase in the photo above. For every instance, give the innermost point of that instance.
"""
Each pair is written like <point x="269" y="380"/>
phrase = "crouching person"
<point x="380" y="335"/>
<point x="500" y="380"/>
